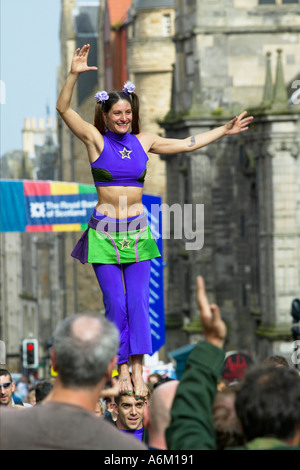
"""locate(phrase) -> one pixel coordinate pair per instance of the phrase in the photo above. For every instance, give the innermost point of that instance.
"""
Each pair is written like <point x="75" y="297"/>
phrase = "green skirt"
<point x="116" y="242"/>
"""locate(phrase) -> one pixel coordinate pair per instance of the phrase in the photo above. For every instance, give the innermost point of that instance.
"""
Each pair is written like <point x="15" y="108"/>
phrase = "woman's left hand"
<point x="238" y="124"/>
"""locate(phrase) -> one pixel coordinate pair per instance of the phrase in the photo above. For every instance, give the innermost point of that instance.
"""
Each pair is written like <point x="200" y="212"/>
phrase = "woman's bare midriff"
<point x="120" y="202"/>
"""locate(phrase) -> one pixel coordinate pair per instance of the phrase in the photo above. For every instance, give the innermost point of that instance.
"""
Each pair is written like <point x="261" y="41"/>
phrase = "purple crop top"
<point x="122" y="162"/>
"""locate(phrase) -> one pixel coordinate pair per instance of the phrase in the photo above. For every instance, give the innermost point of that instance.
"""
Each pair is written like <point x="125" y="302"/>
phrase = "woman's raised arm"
<point x="167" y="146"/>
<point x="82" y="129"/>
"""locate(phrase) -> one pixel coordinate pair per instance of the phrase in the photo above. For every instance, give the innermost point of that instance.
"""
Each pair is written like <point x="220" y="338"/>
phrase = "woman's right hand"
<point x="79" y="62"/>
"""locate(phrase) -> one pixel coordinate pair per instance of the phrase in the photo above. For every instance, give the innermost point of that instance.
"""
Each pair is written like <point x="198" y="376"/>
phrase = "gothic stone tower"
<point x="248" y="184"/>
<point x="79" y="25"/>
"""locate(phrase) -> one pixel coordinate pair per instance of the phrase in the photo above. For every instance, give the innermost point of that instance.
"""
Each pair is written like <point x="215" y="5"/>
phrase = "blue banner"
<point x="152" y="206"/>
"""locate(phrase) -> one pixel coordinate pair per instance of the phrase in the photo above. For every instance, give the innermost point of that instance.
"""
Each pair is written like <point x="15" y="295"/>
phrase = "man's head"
<point x="277" y="361"/>
<point x="42" y="390"/>
<point x="7" y="388"/>
<point x="83" y="348"/>
<point x="226" y="423"/>
<point x="153" y="379"/>
<point x="158" y="414"/>
<point x="130" y="412"/>
<point x="268" y="404"/>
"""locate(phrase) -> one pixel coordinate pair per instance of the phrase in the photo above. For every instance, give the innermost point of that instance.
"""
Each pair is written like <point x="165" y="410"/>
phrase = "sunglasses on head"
<point x="5" y="385"/>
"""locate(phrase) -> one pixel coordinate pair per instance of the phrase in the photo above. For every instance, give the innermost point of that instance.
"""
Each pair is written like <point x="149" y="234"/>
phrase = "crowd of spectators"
<point x="198" y="412"/>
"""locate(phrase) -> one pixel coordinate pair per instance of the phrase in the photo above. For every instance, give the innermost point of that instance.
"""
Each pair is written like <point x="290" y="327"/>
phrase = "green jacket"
<point x="191" y="426"/>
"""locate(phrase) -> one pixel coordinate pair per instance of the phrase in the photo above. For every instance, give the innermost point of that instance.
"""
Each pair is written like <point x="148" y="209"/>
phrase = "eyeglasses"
<point x="5" y="385"/>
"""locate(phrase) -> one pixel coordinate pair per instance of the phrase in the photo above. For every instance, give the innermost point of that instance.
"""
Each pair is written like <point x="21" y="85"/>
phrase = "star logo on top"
<point x="125" y="153"/>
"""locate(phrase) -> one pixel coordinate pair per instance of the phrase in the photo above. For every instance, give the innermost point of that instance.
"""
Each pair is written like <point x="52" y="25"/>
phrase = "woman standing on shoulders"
<point x="118" y="241"/>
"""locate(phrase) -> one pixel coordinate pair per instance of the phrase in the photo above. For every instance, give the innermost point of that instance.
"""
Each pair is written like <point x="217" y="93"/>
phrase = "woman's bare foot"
<point x="125" y="385"/>
<point x="140" y="388"/>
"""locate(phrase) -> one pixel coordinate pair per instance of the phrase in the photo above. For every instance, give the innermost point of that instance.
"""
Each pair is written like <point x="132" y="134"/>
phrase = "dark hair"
<point x="268" y="403"/>
<point x="42" y="390"/>
<point x="276" y="361"/>
<point x="226" y="423"/>
<point x="162" y="381"/>
<point x="105" y="107"/>
<point x="5" y="372"/>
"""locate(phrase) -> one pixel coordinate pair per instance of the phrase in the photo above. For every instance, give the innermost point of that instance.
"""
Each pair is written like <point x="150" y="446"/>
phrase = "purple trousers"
<point x="125" y="290"/>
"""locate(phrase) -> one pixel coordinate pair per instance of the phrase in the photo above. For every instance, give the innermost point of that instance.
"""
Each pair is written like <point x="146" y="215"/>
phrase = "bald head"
<point x="84" y="345"/>
<point x="160" y="406"/>
<point x="86" y="328"/>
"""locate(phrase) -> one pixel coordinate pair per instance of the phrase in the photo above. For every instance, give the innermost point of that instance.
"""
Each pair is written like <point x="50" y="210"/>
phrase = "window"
<point x="166" y="25"/>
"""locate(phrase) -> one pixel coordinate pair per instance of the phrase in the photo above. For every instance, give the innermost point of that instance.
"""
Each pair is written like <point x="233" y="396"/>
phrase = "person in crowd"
<point x="43" y="390"/>
<point x="267" y="399"/>
<point x="153" y="379"/>
<point x="277" y="361"/>
<point x="130" y="415"/>
<point x="109" y="413"/>
<point x="108" y="394"/>
<point x="100" y="408"/>
<point x="118" y="242"/>
<point x="157" y="413"/>
<point x="83" y="356"/>
<point x="226" y="423"/>
<point x="7" y="388"/>
<point x="31" y="398"/>
<point x="7" y="391"/>
<point x="268" y="406"/>
<point x="23" y="387"/>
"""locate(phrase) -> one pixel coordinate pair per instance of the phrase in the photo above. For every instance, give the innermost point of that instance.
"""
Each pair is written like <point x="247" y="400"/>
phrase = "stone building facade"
<point x="79" y="25"/>
<point x="233" y="56"/>
<point x="151" y="56"/>
<point x="29" y="275"/>
<point x="145" y="24"/>
<point x="40" y="282"/>
<point x="113" y="43"/>
<point x="150" y="62"/>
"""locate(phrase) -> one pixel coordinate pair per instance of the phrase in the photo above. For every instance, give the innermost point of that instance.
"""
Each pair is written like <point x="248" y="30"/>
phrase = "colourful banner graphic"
<point x="45" y="206"/>
<point x="49" y="206"/>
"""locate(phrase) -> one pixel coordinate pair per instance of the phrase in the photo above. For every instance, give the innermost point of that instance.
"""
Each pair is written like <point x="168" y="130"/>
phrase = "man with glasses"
<point x="7" y="388"/>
